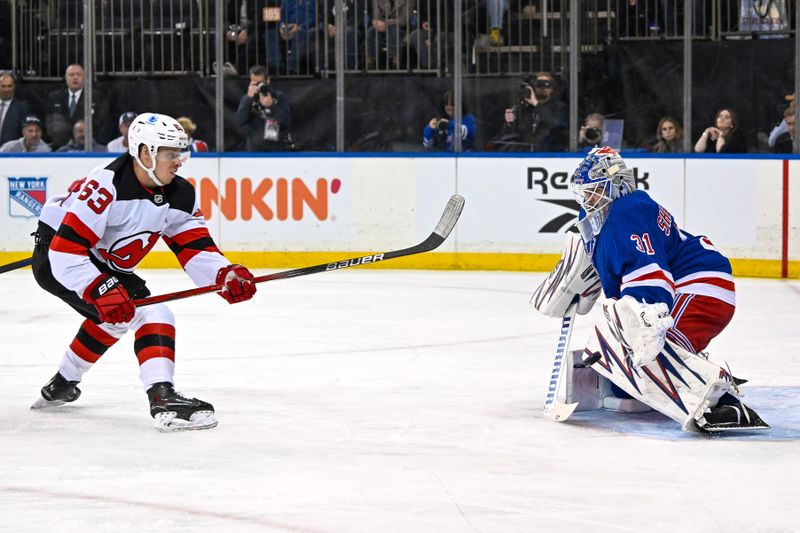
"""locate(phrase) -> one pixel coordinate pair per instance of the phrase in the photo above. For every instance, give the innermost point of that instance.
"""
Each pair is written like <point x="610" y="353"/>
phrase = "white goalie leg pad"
<point x="677" y="383"/>
<point x="640" y="327"/>
<point x="592" y="391"/>
<point x="573" y="274"/>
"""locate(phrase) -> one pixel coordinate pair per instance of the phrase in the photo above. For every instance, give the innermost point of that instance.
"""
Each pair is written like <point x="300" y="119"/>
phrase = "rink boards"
<point x="291" y="211"/>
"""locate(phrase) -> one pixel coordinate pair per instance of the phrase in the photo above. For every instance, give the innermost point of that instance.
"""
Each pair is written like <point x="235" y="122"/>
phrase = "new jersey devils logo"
<point x="129" y="251"/>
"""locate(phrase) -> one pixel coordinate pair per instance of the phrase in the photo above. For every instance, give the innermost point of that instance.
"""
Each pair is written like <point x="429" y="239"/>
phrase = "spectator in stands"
<point x="12" y="110"/>
<point x="266" y="114"/>
<point x="258" y="74"/>
<point x="31" y="140"/>
<point x="591" y="133"/>
<point x="195" y="145"/>
<point x="356" y="20"/>
<point x="77" y="144"/>
<point x="389" y="25"/>
<point x="784" y="144"/>
<point x="252" y="17"/>
<point x="120" y="144"/>
<point x="495" y="9"/>
<point x="439" y="132"/>
<point x="65" y="106"/>
<point x="296" y="32"/>
<point x="434" y="34"/>
<point x="724" y="135"/>
<point x="539" y="122"/>
<point x="669" y="136"/>
<point x="782" y="127"/>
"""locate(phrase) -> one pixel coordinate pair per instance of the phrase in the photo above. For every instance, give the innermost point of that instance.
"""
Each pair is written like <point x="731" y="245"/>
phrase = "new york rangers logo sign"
<point x="27" y="195"/>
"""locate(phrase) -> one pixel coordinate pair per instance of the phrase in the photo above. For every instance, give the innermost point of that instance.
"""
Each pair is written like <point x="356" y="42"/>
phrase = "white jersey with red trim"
<point x="641" y="252"/>
<point x="111" y="216"/>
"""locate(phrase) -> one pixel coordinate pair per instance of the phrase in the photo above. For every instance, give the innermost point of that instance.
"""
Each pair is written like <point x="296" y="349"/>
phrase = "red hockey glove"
<point x="237" y="283"/>
<point x="110" y="299"/>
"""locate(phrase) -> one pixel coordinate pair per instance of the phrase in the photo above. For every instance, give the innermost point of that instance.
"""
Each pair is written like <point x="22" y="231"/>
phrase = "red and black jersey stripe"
<point x="187" y="244"/>
<point x="155" y="340"/>
<point x="91" y="342"/>
<point x="73" y="237"/>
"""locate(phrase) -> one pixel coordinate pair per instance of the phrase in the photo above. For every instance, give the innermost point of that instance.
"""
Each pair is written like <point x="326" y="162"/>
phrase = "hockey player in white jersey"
<point x="88" y="244"/>
<point x="668" y="294"/>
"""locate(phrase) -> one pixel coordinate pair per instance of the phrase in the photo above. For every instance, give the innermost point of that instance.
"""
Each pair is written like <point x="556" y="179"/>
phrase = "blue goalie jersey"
<point x="641" y="252"/>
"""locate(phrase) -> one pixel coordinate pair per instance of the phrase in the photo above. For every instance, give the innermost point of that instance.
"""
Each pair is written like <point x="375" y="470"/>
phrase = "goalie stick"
<point x="15" y="265"/>
<point x="553" y="408"/>
<point x="449" y="218"/>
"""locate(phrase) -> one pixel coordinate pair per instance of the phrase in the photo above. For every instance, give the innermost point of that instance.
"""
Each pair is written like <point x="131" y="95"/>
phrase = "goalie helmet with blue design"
<point x="601" y="178"/>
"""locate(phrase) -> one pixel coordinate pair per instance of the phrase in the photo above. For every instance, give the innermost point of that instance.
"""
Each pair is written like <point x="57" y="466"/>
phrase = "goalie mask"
<point x="156" y="131"/>
<point x="601" y="178"/>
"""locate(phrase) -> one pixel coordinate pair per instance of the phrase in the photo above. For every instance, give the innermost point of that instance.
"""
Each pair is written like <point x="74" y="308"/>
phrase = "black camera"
<point x="543" y="84"/>
<point x="233" y="31"/>
<point x="525" y="90"/>
<point x="263" y="89"/>
<point x="593" y="135"/>
<point x="441" y="126"/>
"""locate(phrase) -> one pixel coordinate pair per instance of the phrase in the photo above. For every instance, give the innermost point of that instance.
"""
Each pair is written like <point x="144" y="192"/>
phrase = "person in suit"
<point x="65" y="106"/>
<point x="12" y="110"/>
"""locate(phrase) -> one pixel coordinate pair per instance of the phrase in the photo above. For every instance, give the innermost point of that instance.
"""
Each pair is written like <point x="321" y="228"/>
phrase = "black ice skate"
<point x="174" y="412"/>
<point x="58" y="391"/>
<point x="730" y="418"/>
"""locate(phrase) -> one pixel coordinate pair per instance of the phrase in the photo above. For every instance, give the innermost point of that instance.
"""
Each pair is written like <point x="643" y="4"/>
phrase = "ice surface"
<point x="383" y="401"/>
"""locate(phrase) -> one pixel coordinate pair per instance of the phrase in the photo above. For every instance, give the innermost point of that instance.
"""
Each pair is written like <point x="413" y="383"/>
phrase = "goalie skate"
<point x="174" y="412"/>
<point x="730" y="418"/>
<point x="57" y="391"/>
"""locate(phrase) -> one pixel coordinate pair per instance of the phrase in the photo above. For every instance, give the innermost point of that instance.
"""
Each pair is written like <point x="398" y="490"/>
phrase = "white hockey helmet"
<point x="155" y="131"/>
<point x="601" y="178"/>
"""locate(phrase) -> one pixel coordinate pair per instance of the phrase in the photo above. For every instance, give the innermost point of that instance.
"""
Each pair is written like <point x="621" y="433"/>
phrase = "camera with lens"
<point x="263" y="89"/>
<point x="593" y="135"/>
<point x="543" y="84"/>
<point x="525" y="90"/>
<point x="441" y="126"/>
<point x="233" y="31"/>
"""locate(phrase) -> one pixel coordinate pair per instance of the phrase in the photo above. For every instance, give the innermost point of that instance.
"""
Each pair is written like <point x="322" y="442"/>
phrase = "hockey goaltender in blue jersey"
<point x="642" y="253"/>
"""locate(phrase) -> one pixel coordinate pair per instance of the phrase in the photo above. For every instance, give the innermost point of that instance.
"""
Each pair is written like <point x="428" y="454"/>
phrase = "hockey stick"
<point x="449" y="218"/>
<point x="554" y="409"/>
<point x="15" y="265"/>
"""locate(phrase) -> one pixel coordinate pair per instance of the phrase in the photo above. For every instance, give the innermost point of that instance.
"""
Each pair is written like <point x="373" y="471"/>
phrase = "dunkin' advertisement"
<point x="514" y="205"/>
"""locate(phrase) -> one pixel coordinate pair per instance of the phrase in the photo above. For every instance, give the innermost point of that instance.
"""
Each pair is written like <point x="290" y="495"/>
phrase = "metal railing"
<point x="297" y="37"/>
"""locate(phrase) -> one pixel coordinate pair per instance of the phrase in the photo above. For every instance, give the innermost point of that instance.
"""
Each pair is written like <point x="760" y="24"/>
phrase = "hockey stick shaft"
<point x="553" y="408"/>
<point x="446" y="224"/>
<point x="15" y="265"/>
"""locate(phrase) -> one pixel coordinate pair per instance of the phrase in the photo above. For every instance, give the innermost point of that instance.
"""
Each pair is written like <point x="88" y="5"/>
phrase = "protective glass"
<point x="170" y="156"/>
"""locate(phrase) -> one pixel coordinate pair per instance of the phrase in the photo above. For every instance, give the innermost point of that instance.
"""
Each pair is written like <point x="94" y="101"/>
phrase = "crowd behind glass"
<point x="268" y="41"/>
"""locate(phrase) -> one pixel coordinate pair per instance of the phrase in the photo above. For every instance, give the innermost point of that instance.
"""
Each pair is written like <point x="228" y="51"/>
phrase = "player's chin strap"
<point x="150" y="171"/>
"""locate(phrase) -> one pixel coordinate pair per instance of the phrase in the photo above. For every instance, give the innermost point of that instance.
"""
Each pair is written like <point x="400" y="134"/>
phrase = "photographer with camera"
<point x="439" y="133"/>
<point x="266" y="113"/>
<point x="538" y="122"/>
<point x="592" y="132"/>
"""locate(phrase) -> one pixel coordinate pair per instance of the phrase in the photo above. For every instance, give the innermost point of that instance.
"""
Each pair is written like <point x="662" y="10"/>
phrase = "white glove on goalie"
<point x="574" y="274"/>
<point x="640" y="327"/>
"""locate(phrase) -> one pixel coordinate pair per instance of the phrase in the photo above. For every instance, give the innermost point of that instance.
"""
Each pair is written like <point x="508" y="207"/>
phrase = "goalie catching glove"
<point x="574" y="274"/>
<point x="111" y="300"/>
<point x="237" y="283"/>
<point x="639" y="327"/>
